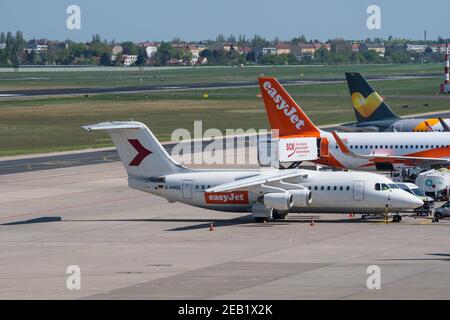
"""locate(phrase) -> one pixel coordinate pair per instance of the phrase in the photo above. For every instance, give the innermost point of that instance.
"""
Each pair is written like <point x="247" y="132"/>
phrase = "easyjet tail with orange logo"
<point x="353" y="150"/>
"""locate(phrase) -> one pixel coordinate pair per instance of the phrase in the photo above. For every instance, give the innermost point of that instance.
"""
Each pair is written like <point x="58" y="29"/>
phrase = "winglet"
<point x="429" y="128"/>
<point x="345" y="150"/>
<point x="444" y="125"/>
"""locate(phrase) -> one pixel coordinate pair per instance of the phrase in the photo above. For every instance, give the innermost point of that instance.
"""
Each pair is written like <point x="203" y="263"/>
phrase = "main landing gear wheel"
<point x="277" y="215"/>
<point x="261" y="219"/>
<point x="397" y="218"/>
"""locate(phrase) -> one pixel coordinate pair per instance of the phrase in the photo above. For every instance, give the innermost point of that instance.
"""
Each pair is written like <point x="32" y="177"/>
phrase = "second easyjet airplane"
<point x="354" y="150"/>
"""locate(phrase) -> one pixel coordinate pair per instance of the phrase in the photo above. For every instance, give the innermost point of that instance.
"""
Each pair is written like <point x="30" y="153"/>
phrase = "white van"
<point x="428" y="202"/>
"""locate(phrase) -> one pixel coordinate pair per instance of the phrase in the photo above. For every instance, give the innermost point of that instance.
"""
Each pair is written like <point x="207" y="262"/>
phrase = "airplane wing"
<point x="390" y="158"/>
<point x="257" y="180"/>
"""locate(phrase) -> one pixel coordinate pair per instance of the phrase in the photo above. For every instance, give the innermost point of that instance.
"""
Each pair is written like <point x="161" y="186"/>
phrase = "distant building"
<point x="438" y="48"/>
<point x="3" y="45"/>
<point x="306" y="48"/>
<point x="228" y="46"/>
<point x="244" y="50"/>
<point x="377" y="47"/>
<point x="419" y="48"/>
<point x="268" y="50"/>
<point x="37" y="45"/>
<point x="129" y="59"/>
<point x="326" y="46"/>
<point x="356" y="47"/>
<point x="283" y="48"/>
<point x="150" y="47"/>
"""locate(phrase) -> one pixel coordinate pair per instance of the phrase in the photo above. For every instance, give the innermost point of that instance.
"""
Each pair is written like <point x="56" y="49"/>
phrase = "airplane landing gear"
<point x="260" y="213"/>
<point x="279" y="215"/>
<point x="397" y="218"/>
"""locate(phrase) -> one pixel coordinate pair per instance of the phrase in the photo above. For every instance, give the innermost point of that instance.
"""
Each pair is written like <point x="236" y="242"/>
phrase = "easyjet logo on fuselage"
<point x="236" y="197"/>
<point x="281" y="104"/>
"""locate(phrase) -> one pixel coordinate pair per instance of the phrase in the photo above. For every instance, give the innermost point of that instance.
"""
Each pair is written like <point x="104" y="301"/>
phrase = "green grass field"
<point x="36" y="125"/>
<point x="64" y="79"/>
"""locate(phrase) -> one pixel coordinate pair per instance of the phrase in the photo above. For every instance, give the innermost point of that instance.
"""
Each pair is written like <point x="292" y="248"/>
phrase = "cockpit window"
<point x="384" y="187"/>
<point x="393" y="186"/>
<point x="418" y="192"/>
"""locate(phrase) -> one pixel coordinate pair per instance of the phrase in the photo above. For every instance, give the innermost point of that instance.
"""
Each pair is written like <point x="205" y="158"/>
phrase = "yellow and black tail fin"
<point x="367" y="103"/>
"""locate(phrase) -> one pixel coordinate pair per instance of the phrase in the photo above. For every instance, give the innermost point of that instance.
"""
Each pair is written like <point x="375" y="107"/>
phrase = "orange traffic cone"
<point x="211" y="227"/>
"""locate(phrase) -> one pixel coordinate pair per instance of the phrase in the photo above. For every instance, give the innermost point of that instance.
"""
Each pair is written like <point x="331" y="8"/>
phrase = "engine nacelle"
<point x="302" y="197"/>
<point x="279" y="201"/>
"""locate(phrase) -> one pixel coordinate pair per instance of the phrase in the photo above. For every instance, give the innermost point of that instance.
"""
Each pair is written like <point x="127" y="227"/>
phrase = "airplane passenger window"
<point x="396" y="147"/>
<point x="322" y="188"/>
<point x="348" y="188"/>
<point x="391" y="147"/>
<point x="328" y="188"/>
<point x="341" y="188"/>
<point x="315" y="188"/>
<point x="334" y="188"/>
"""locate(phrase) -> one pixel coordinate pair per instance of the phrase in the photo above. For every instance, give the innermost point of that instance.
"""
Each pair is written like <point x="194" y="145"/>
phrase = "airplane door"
<point x="187" y="189"/>
<point x="358" y="190"/>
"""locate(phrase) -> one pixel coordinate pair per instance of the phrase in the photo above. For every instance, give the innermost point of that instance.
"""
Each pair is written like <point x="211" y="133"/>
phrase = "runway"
<point x="132" y="245"/>
<point x="186" y="86"/>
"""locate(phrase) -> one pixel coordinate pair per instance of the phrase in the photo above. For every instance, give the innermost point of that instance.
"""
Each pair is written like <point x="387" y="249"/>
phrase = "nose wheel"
<point x="397" y="218"/>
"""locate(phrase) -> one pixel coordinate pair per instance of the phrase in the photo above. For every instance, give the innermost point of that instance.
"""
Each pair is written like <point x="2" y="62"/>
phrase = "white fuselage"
<point x="332" y="192"/>
<point x="419" y="144"/>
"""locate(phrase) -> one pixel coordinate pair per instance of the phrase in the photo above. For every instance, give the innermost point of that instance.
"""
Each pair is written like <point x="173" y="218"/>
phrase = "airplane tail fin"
<point x="367" y="103"/>
<point x="141" y="153"/>
<point x="283" y="113"/>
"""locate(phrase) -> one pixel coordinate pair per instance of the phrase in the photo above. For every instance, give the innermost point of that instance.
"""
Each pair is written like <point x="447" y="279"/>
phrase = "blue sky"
<point x="138" y="20"/>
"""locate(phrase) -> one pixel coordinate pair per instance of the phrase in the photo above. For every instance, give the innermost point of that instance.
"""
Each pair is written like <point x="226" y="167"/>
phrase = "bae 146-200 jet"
<point x="270" y="193"/>
<point x="354" y="150"/>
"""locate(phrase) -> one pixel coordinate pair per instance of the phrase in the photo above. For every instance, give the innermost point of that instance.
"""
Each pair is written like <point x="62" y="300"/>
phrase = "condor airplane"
<point x="266" y="194"/>
<point x="374" y="114"/>
<point x="354" y="150"/>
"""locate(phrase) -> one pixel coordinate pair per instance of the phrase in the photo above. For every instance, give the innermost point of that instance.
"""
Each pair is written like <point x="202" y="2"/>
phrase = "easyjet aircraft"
<point x="354" y="150"/>
<point x="265" y="193"/>
<point x="372" y="112"/>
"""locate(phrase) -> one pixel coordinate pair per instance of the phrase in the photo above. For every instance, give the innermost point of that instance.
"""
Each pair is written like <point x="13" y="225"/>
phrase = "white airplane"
<point x="264" y="193"/>
<point x="354" y="150"/>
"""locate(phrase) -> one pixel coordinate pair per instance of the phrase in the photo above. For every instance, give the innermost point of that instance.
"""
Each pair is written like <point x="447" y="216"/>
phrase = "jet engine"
<point x="279" y="201"/>
<point x="302" y="198"/>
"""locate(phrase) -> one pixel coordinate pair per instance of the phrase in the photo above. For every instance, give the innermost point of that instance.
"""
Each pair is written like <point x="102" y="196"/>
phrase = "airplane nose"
<point x="405" y="200"/>
<point x="412" y="201"/>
